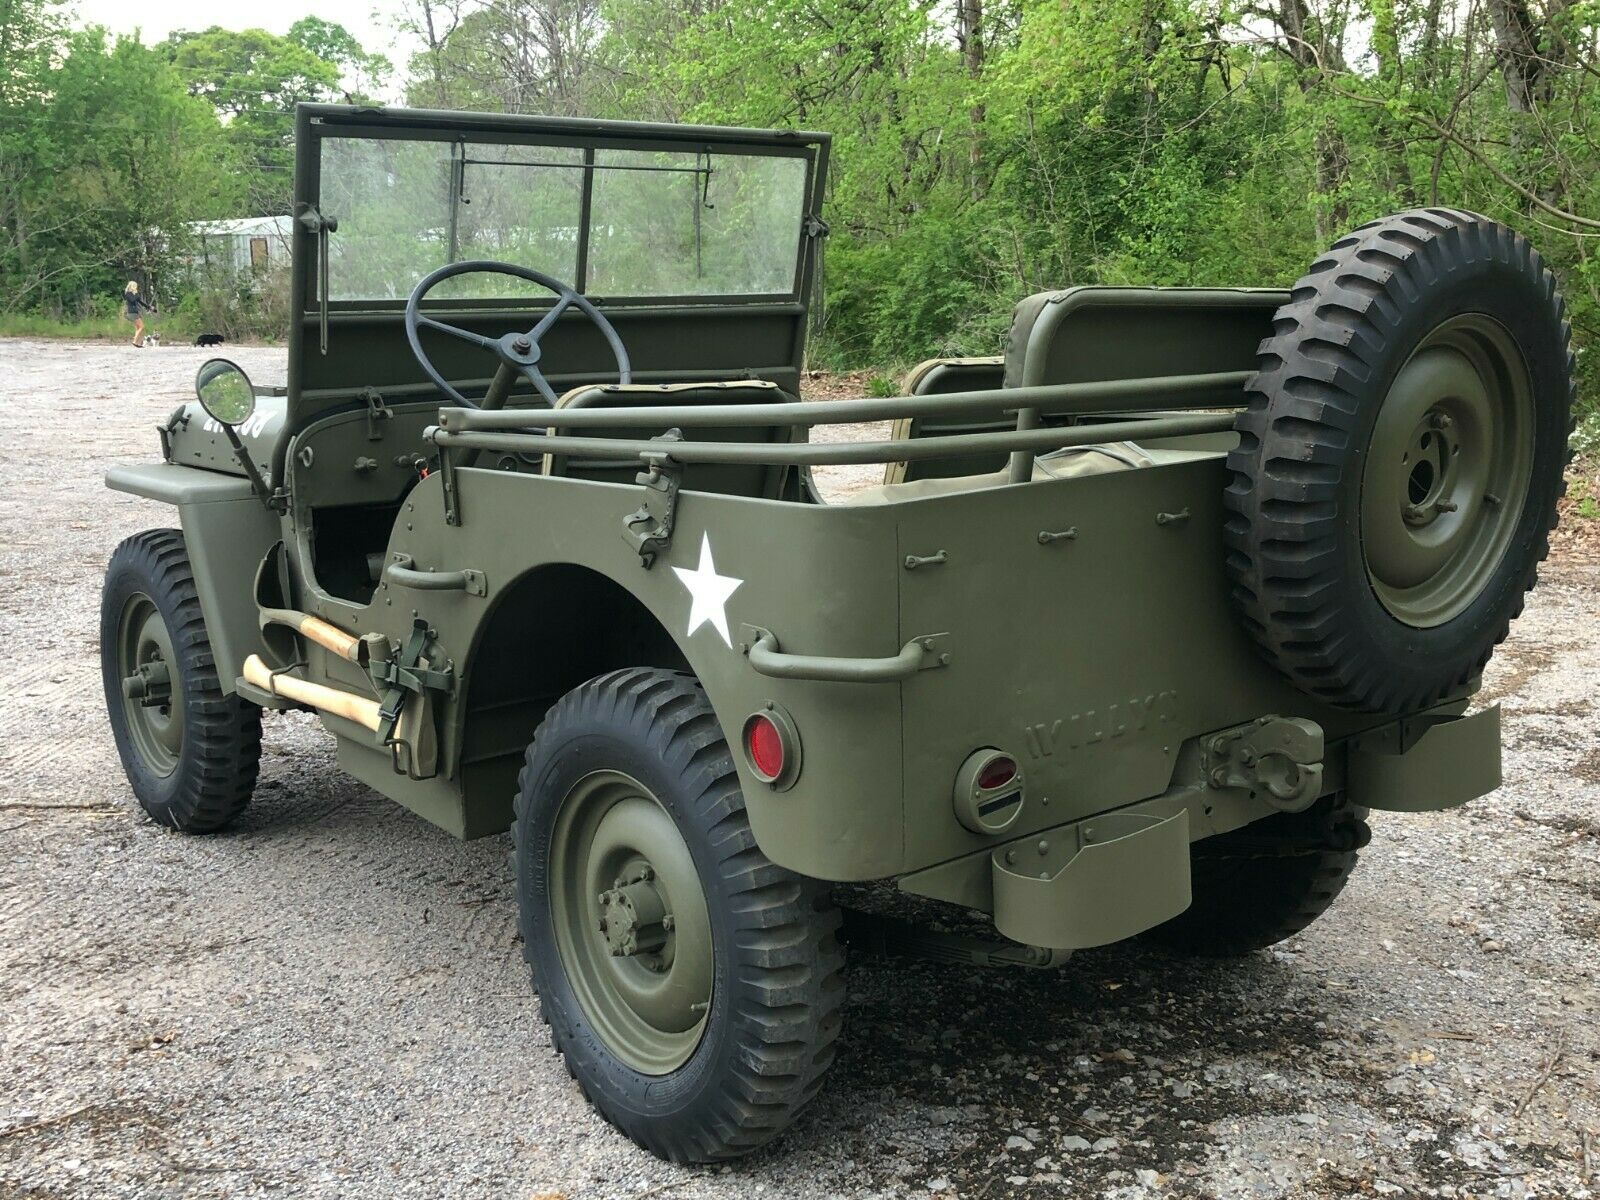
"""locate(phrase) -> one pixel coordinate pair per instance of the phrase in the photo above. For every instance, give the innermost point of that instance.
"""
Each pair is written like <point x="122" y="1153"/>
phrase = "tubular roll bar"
<point x="825" y="454"/>
<point x="1220" y="389"/>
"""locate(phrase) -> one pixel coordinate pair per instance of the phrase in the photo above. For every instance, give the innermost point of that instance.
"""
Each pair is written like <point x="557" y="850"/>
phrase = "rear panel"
<point x="1090" y="658"/>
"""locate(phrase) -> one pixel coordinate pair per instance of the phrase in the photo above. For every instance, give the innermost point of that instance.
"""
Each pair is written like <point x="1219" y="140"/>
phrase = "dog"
<point x="152" y="339"/>
<point x="208" y="339"/>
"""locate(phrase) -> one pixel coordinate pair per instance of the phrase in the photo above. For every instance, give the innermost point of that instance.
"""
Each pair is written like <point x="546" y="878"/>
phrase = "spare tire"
<point x="1399" y="460"/>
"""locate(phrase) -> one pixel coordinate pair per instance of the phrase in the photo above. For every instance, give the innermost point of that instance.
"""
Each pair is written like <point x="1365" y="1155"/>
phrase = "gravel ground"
<point x="329" y="1001"/>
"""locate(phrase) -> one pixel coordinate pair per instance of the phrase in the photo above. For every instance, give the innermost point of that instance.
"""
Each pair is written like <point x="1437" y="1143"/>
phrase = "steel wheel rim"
<point x="614" y="847"/>
<point x="155" y="729"/>
<point x="1447" y="471"/>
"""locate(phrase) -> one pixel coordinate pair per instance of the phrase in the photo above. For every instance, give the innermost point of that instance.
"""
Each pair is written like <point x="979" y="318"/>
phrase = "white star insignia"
<point x="708" y="593"/>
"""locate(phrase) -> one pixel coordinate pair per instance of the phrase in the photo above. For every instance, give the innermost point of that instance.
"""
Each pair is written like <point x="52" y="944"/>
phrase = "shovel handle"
<point x="351" y="707"/>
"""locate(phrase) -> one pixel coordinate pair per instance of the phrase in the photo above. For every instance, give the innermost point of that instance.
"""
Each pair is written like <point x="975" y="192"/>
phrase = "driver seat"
<point x="761" y="481"/>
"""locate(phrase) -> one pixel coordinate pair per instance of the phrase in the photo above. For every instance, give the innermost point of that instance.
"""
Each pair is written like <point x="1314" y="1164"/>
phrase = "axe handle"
<point x="351" y="707"/>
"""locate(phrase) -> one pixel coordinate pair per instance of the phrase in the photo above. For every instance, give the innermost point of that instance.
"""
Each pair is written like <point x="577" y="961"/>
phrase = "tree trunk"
<point x="969" y="36"/>
<point x="1314" y="53"/>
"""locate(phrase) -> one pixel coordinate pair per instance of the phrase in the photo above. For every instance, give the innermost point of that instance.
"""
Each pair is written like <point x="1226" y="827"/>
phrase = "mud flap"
<point x="1095" y="882"/>
<point x="1424" y="764"/>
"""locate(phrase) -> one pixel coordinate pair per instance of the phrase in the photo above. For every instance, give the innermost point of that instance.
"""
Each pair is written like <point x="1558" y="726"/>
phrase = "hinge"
<point x="649" y="527"/>
<point x="377" y="413"/>
<point x="815" y="226"/>
<point x="448" y="485"/>
<point x="178" y="420"/>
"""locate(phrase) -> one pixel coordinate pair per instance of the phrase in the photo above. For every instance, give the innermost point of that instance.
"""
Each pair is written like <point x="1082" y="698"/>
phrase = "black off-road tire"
<point x="1304" y="583"/>
<point x="768" y="1035"/>
<point x="1246" y="897"/>
<point x="211" y="773"/>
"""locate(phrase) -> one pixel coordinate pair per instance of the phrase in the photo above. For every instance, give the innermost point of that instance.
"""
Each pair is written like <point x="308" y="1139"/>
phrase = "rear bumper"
<point x="1109" y="877"/>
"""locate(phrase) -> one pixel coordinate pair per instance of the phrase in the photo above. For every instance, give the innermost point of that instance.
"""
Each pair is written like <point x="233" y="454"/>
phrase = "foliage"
<point x="983" y="149"/>
<point x="109" y="149"/>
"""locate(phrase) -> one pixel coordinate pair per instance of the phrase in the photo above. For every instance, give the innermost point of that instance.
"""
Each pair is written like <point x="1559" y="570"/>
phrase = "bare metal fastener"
<point x="1065" y="535"/>
<point x="1172" y="518"/>
<point x="913" y="561"/>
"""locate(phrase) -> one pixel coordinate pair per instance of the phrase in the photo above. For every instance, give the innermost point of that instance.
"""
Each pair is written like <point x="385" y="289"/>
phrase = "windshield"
<point x="613" y="222"/>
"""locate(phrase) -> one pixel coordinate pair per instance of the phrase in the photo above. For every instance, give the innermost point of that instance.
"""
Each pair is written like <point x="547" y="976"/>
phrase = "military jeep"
<point x="1148" y="612"/>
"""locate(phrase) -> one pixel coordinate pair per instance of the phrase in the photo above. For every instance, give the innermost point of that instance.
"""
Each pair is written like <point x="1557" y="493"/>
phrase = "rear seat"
<point x="1083" y="335"/>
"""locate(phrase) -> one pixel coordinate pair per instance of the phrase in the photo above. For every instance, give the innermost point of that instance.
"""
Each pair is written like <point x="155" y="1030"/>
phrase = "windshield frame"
<point x="316" y="123"/>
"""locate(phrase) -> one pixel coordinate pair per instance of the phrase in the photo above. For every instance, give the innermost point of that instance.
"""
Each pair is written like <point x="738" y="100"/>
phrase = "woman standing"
<point x="133" y="307"/>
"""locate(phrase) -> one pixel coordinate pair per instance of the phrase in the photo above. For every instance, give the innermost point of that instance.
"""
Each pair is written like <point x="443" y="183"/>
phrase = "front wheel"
<point x="190" y="752"/>
<point x="692" y="986"/>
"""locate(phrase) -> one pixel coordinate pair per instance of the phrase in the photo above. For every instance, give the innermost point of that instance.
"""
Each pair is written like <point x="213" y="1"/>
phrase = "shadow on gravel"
<point x="1017" y="1082"/>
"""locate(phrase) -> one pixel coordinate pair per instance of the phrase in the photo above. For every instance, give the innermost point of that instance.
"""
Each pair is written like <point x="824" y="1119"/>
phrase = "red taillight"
<point x="996" y="773"/>
<point x="763" y="746"/>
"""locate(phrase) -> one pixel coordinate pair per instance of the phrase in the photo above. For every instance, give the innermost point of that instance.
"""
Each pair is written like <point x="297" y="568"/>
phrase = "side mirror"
<point x="225" y="392"/>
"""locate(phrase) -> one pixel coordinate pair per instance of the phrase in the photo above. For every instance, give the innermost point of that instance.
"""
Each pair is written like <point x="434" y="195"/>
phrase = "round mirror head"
<point x="225" y="391"/>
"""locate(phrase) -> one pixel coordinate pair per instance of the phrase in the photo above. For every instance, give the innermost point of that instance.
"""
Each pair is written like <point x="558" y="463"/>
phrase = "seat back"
<point x="937" y="377"/>
<point x="1092" y="334"/>
<point x="1088" y="334"/>
<point x="759" y="480"/>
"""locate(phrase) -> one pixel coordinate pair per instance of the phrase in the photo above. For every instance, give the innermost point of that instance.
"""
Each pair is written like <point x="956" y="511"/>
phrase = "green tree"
<point x="364" y="74"/>
<point x="254" y="79"/>
<point x="113" y="160"/>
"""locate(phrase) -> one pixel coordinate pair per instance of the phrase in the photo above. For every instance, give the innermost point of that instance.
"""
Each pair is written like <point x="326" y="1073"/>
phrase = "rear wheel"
<point x="1258" y="885"/>
<point x="190" y="752"/>
<point x="692" y="986"/>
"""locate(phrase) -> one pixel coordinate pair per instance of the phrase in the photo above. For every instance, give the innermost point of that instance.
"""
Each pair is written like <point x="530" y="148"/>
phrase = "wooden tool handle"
<point x="330" y="637"/>
<point x="362" y="711"/>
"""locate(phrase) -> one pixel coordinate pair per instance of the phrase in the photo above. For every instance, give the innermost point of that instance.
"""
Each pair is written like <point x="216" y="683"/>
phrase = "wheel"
<point x="191" y="753"/>
<point x="1400" y="460"/>
<point x="1258" y="885"/>
<point x="692" y="986"/>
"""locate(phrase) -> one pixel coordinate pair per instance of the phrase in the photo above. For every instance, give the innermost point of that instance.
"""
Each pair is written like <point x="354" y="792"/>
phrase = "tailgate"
<point x="1089" y="657"/>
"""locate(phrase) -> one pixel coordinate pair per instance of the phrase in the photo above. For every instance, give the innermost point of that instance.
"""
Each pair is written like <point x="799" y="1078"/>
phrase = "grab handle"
<point x="919" y="654"/>
<point x="402" y="574"/>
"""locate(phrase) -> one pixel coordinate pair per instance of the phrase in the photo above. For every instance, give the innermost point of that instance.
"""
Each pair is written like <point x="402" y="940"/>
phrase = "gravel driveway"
<point x="329" y="1001"/>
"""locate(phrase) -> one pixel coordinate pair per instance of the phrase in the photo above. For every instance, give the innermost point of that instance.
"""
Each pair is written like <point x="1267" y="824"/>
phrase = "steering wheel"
<point x="518" y="351"/>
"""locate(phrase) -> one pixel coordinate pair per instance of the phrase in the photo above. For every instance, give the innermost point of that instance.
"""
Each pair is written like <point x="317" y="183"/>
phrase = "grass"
<point x="91" y="329"/>
<point x="33" y="325"/>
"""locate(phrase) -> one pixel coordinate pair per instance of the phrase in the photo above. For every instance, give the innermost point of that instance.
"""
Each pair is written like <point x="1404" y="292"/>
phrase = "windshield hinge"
<point x="815" y="226"/>
<point x="377" y="412"/>
<point x="320" y="226"/>
<point x="178" y="420"/>
<point x="649" y="527"/>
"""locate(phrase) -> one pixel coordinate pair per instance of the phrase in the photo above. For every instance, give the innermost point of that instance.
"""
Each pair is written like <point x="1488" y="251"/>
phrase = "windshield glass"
<point x="660" y="223"/>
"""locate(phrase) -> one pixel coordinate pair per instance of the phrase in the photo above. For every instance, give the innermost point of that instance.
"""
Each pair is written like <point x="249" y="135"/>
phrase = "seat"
<point x="757" y="480"/>
<point x="937" y="377"/>
<point x="1088" y="334"/>
<point x="1092" y="334"/>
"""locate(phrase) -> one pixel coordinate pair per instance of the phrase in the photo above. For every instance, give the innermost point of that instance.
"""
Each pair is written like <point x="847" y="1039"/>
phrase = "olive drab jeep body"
<point x="1148" y="612"/>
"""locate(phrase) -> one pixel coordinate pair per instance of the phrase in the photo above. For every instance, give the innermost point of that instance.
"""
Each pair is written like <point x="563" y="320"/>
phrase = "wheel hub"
<point x="635" y="920"/>
<point x="1432" y="458"/>
<point x="630" y="921"/>
<point x="151" y="684"/>
<point x="1447" y="467"/>
<point x="144" y="664"/>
